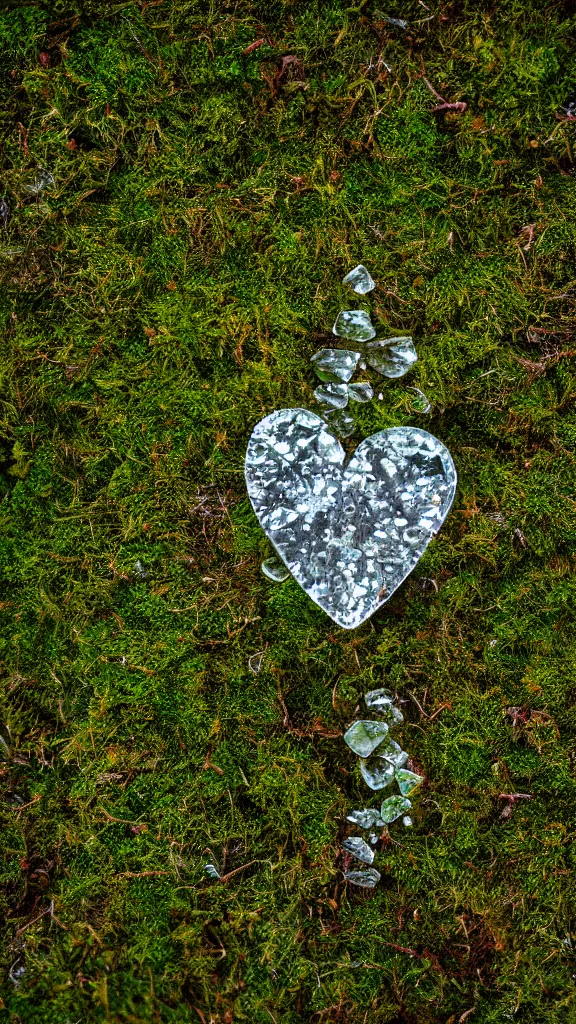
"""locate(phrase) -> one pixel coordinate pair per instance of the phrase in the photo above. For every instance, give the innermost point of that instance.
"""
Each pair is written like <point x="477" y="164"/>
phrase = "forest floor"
<point x="184" y="185"/>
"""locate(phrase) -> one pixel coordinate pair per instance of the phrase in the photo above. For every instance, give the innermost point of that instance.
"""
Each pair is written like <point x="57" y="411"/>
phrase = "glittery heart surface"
<point x="349" y="534"/>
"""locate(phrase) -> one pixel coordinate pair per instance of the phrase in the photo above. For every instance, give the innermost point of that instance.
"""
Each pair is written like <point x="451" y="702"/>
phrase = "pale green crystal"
<point x="364" y="737"/>
<point x="377" y="772"/>
<point x="275" y="569"/>
<point x="394" y="807"/>
<point x="367" y="878"/>
<point x="420" y="402"/>
<point x="333" y="395"/>
<point x="360" y="280"/>
<point x="211" y="871"/>
<point x="393" y="753"/>
<point x="354" y="324"/>
<point x="358" y="848"/>
<point x="335" y="365"/>
<point x="407" y="781"/>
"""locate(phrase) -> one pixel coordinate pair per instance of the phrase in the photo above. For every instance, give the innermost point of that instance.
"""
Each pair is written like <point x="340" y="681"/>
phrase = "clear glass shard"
<point x="393" y="753"/>
<point x="378" y="699"/>
<point x="333" y="395"/>
<point x="360" y="280"/>
<point x="407" y="820"/>
<point x="361" y="392"/>
<point x="211" y="871"/>
<point x="377" y="772"/>
<point x="354" y="324"/>
<point x="367" y="878"/>
<point x="392" y="357"/>
<point x="358" y="848"/>
<point x="366" y="818"/>
<point x="373" y="838"/>
<point x="392" y="715"/>
<point x="335" y="365"/>
<point x="44" y="180"/>
<point x="420" y="402"/>
<point x="364" y="737"/>
<point x="139" y="570"/>
<point x="255" y="661"/>
<point x="394" y="807"/>
<point x="275" y="569"/>
<point x="5" y="741"/>
<point x="341" y="422"/>
<point x="407" y="781"/>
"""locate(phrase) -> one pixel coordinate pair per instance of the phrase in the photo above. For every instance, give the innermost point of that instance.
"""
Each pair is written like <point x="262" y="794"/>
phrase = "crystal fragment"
<point x="378" y="699"/>
<point x="393" y="753"/>
<point x="359" y="848"/>
<point x="407" y="820"/>
<point x="211" y="871"/>
<point x="335" y="365"/>
<point x="373" y="838"/>
<point x="275" y="569"/>
<point x="4" y="211"/>
<point x="333" y="395"/>
<point x="367" y="878"/>
<point x="43" y="180"/>
<point x="341" y="422"/>
<point x="140" y="571"/>
<point x="360" y="280"/>
<point x="392" y="357"/>
<point x="392" y="716"/>
<point x="407" y="781"/>
<point x="420" y="402"/>
<point x="361" y="392"/>
<point x="354" y="324"/>
<point x="366" y="818"/>
<point x="5" y="741"/>
<point x="364" y="737"/>
<point x="394" y="807"/>
<point x="397" y="22"/>
<point x="377" y="772"/>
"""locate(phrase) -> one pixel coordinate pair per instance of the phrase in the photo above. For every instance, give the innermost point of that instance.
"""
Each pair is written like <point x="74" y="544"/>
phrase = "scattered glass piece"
<point x="17" y="972"/>
<point x="394" y="807"/>
<point x="393" y="753"/>
<point x="275" y="569"/>
<point x="407" y="781"/>
<point x="392" y="357"/>
<point x="407" y="820"/>
<point x="334" y="395"/>
<point x="360" y="280"/>
<point x="377" y="772"/>
<point x="367" y="878"/>
<point x="366" y="818"/>
<point x="342" y="423"/>
<point x="373" y="838"/>
<point x="5" y="740"/>
<point x="392" y="716"/>
<point x="397" y="22"/>
<point x="140" y="571"/>
<point x="362" y="365"/>
<point x="335" y="365"/>
<point x="354" y="324"/>
<point x="420" y="403"/>
<point x="43" y="180"/>
<point x="4" y="211"/>
<point x="378" y="699"/>
<point x="361" y="392"/>
<point x="348" y="532"/>
<point x="211" y="871"/>
<point x="569" y="107"/>
<point x="359" y="848"/>
<point x="380" y="397"/>
<point x="364" y="737"/>
<point x="255" y="661"/>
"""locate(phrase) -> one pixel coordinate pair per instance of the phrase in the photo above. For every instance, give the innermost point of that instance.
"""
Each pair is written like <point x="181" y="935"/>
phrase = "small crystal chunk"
<point x="407" y="820"/>
<point x="354" y="324"/>
<point x="392" y="715"/>
<point x="377" y="772"/>
<point x="360" y="280"/>
<point x="420" y="402"/>
<point x="366" y="818"/>
<point x="275" y="569"/>
<point x="341" y="422"/>
<point x="335" y="365"/>
<point x="373" y="838"/>
<point x="367" y="878"/>
<point x="378" y="699"/>
<point x="394" y="807"/>
<point x="407" y="781"/>
<point x="361" y="392"/>
<point x="364" y="737"/>
<point x="393" y="753"/>
<point x="334" y="395"/>
<point x="211" y="871"/>
<point x="359" y="848"/>
<point x="392" y="357"/>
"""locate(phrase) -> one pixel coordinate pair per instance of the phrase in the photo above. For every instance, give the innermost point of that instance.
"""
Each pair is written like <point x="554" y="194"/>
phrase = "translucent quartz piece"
<point x="275" y="569"/>
<point x="335" y="365"/>
<point x="349" y="531"/>
<point x="377" y="772"/>
<point x="359" y="848"/>
<point x="392" y="715"/>
<point x="407" y="820"/>
<point x="5" y="741"/>
<point x="393" y="753"/>
<point x="334" y="395"/>
<point x="354" y="324"/>
<point x="364" y="737"/>
<point x="392" y="357"/>
<point x="420" y="403"/>
<point x="341" y="422"/>
<point x="394" y="807"/>
<point x="360" y="280"/>
<point x="373" y="838"/>
<point x="378" y="699"/>
<point x="366" y="818"/>
<point x="361" y="392"/>
<point x="211" y="871"/>
<point x="367" y="878"/>
<point x="44" y="180"/>
<point x="139" y="570"/>
<point x="407" y="781"/>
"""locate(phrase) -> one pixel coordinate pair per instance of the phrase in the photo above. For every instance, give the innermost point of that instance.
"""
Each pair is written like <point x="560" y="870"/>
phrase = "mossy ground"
<point x="217" y="168"/>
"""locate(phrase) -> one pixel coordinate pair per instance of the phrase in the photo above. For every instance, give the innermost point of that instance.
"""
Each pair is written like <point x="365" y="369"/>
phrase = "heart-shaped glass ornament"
<point x="349" y="534"/>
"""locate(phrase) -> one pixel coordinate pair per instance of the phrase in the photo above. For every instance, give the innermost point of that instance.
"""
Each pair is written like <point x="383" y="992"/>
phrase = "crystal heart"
<point x="349" y="534"/>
